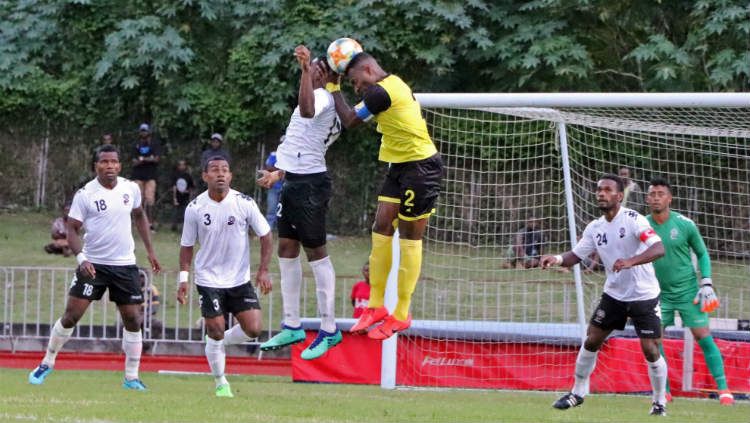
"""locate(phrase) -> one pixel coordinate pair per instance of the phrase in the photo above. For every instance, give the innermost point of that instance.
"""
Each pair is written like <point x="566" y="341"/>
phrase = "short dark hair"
<point x="617" y="179"/>
<point x="356" y="59"/>
<point x="215" y="157"/>
<point x="106" y="148"/>
<point x="660" y="182"/>
<point x="323" y="60"/>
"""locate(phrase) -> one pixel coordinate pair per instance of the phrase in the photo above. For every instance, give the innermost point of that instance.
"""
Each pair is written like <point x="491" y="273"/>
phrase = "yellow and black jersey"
<point x="393" y="106"/>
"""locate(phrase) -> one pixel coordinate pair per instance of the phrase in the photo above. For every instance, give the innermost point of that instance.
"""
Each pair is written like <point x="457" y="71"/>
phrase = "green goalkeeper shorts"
<point x="691" y="314"/>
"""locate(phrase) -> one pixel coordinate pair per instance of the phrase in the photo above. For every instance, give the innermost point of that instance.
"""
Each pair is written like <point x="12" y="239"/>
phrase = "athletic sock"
<point x="57" y="339"/>
<point x="132" y="345"/>
<point x="291" y="281"/>
<point x="585" y="363"/>
<point x="325" y="287"/>
<point x="714" y="361"/>
<point x="216" y="360"/>
<point x="661" y="351"/>
<point x="657" y="373"/>
<point x="380" y="266"/>
<point x="235" y="335"/>
<point x="409" y="267"/>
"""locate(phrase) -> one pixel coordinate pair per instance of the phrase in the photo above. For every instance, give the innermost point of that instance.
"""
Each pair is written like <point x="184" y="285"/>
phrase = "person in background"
<point x="182" y="191"/>
<point x="146" y="155"/>
<point x="59" y="233"/>
<point x="272" y="196"/>
<point x="215" y="149"/>
<point x="633" y="196"/>
<point x="361" y="292"/>
<point x="527" y="246"/>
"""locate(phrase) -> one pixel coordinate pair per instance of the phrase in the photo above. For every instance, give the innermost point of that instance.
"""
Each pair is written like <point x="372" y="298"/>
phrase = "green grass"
<point x="94" y="396"/>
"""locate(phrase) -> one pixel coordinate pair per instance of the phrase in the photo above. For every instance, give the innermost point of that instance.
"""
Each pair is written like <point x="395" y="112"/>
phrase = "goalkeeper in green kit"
<point x="679" y="288"/>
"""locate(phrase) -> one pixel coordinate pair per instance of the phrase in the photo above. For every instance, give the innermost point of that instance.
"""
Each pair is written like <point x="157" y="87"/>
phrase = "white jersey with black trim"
<point x="627" y="235"/>
<point x="307" y="139"/>
<point x="105" y="214"/>
<point x="221" y="229"/>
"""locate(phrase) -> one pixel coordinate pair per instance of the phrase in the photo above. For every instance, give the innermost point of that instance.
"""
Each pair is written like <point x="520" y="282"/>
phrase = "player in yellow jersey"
<point x="411" y="187"/>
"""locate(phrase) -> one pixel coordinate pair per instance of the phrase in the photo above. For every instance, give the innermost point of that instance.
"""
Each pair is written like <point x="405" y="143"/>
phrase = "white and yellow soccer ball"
<point x="341" y="52"/>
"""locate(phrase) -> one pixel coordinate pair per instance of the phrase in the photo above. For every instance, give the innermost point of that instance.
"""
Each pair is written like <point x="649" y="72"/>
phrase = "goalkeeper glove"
<point x="706" y="296"/>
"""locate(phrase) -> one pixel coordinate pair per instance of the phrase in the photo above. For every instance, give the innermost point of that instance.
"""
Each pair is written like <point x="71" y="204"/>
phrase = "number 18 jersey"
<point x="627" y="235"/>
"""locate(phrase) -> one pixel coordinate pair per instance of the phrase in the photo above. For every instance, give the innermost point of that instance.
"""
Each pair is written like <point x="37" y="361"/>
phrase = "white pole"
<point x="687" y="359"/>
<point x="389" y="350"/>
<point x="476" y="100"/>
<point x="563" y="135"/>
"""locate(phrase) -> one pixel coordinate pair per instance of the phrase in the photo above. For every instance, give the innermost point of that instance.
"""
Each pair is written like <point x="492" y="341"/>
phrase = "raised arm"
<point x="305" y="98"/>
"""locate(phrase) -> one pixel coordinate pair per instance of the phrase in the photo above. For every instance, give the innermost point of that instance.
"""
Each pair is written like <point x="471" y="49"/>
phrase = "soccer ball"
<point x="341" y="52"/>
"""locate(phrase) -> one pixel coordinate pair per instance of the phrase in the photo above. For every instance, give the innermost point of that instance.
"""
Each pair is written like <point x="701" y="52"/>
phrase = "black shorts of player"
<point x="303" y="205"/>
<point x="122" y="281"/>
<point x="217" y="301"/>
<point x="415" y="186"/>
<point x="613" y="314"/>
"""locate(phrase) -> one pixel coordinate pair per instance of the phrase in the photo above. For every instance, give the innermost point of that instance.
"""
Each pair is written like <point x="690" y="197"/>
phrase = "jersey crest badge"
<point x="622" y="232"/>
<point x="125" y="199"/>
<point x="674" y="233"/>
<point x="231" y="220"/>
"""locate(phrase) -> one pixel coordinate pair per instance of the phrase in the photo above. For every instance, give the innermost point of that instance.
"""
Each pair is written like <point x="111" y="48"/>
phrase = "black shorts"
<point x="217" y="301"/>
<point x="303" y="205"/>
<point x="413" y="185"/>
<point x="122" y="281"/>
<point x="613" y="314"/>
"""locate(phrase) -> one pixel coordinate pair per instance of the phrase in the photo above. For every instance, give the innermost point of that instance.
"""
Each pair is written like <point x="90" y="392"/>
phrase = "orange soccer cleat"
<point x="390" y="326"/>
<point x="368" y="318"/>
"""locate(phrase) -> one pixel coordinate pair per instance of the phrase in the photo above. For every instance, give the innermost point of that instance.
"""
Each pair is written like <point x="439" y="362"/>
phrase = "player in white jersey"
<point x="219" y="219"/>
<point x="103" y="208"/>
<point x="303" y="206"/>
<point x="627" y="245"/>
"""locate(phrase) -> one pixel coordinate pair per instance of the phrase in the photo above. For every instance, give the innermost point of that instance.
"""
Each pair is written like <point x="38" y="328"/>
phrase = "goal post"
<point x="520" y="169"/>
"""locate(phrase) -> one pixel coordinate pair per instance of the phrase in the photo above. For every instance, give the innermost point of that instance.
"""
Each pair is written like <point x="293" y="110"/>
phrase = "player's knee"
<point x="592" y="344"/>
<point x="68" y="320"/>
<point x="215" y="332"/>
<point x="383" y="228"/>
<point x="254" y="330"/>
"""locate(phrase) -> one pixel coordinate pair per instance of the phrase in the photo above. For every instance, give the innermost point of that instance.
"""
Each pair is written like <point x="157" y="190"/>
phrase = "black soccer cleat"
<point x="658" y="409"/>
<point x="568" y="400"/>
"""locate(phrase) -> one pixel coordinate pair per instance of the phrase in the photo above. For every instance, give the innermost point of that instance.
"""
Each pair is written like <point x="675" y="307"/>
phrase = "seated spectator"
<point x="527" y="246"/>
<point x="182" y="192"/>
<point x="214" y="150"/>
<point x="151" y="302"/>
<point x="361" y="292"/>
<point x="59" y="233"/>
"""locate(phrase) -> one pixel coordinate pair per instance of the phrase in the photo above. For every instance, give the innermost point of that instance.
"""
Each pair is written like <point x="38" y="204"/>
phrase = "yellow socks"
<point x="380" y="266"/>
<point x="408" y="274"/>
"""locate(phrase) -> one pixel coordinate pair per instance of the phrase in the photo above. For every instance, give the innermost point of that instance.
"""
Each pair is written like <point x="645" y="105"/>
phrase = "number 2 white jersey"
<point x="627" y="235"/>
<point x="307" y="139"/>
<point x="105" y="214"/>
<point x="221" y="229"/>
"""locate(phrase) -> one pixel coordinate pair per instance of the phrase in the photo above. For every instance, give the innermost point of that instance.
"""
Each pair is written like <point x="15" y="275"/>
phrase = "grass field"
<point x="88" y="396"/>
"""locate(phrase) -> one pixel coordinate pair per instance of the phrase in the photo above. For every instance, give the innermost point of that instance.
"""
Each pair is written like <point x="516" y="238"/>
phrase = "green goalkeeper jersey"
<point x="675" y="270"/>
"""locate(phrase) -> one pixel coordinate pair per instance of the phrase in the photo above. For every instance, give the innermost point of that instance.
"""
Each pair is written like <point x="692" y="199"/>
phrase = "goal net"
<point x="519" y="182"/>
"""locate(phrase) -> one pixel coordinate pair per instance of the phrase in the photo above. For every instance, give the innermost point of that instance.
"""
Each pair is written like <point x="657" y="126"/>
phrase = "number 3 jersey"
<point x="221" y="229"/>
<point x="105" y="214"/>
<point x="627" y="235"/>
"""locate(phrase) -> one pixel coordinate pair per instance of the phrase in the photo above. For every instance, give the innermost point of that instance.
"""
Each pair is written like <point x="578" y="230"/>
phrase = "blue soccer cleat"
<point x="322" y="343"/>
<point x="134" y="384"/>
<point x="37" y="376"/>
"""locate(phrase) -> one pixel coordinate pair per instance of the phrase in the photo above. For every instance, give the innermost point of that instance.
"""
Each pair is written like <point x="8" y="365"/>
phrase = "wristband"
<point x="332" y="88"/>
<point x="183" y="277"/>
<point x="558" y="259"/>
<point x="706" y="282"/>
<point x="80" y="258"/>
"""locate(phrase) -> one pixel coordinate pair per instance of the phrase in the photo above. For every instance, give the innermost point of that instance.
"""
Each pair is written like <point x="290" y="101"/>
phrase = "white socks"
<point x="291" y="281"/>
<point x="216" y="360"/>
<point x="235" y="335"/>
<point x="57" y="339"/>
<point x="585" y="364"/>
<point x="657" y="373"/>
<point x="132" y="345"/>
<point x="325" y="286"/>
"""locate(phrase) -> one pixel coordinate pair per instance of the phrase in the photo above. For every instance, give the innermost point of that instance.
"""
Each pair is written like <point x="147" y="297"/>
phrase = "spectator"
<point x="182" y="191"/>
<point x="59" y="232"/>
<point x="632" y="196"/>
<point x="272" y="197"/>
<point x="106" y="139"/>
<point x="151" y="302"/>
<point x="527" y="246"/>
<point x="361" y="292"/>
<point x="214" y="150"/>
<point x="146" y="155"/>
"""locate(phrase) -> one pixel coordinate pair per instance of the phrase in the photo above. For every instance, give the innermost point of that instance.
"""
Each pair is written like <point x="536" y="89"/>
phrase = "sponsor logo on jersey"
<point x="136" y="297"/>
<point x="674" y="233"/>
<point x="125" y="199"/>
<point x="250" y="300"/>
<point x="231" y="220"/>
<point x="444" y="362"/>
<point x="622" y="232"/>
